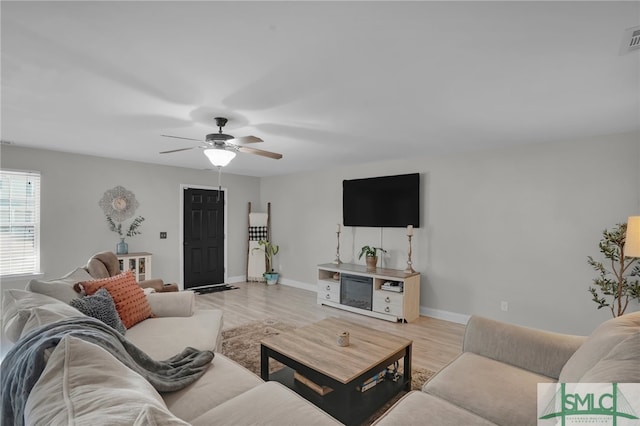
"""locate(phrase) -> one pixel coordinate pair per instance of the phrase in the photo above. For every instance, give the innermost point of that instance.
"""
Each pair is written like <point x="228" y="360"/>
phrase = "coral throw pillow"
<point x="131" y="303"/>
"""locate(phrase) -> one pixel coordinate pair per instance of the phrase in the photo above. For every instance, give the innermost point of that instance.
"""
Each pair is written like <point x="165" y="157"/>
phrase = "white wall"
<point x="74" y="226"/>
<point x="512" y="224"/>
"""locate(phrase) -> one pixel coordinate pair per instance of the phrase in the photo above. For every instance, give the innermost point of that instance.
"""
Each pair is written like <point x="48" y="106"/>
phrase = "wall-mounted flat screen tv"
<point x="386" y="201"/>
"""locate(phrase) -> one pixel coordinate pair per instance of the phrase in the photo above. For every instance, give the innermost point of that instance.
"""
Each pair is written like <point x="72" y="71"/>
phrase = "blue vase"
<point x="122" y="247"/>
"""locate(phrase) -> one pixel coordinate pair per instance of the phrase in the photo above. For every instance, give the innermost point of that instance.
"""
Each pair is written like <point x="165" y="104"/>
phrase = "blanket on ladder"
<point x="258" y="230"/>
<point x="26" y="361"/>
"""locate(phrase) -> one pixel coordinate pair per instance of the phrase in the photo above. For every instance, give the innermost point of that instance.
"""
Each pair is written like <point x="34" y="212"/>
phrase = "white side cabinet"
<point x="139" y="263"/>
<point x="371" y="298"/>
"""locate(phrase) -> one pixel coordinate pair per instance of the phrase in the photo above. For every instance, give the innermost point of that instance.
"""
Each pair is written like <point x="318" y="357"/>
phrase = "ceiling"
<point x="324" y="83"/>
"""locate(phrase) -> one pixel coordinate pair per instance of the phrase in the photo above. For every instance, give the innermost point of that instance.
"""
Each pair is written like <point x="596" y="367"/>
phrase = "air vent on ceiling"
<point x="630" y="40"/>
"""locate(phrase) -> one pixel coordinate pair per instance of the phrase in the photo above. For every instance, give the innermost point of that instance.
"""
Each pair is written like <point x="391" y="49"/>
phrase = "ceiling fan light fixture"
<point x="219" y="157"/>
<point x="221" y="148"/>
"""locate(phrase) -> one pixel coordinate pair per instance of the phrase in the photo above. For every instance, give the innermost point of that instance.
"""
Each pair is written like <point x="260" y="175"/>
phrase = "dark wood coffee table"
<point x="312" y="351"/>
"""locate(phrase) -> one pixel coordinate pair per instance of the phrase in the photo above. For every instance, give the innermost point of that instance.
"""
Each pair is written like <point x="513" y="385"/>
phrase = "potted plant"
<point x="122" y="247"/>
<point x="371" y="255"/>
<point x="270" y="250"/>
<point x="621" y="281"/>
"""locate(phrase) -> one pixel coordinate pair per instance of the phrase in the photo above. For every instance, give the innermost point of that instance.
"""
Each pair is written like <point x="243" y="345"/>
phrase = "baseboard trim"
<point x="444" y="315"/>
<point x="238" y="279"/>
<point x="283" y="281"/>
<point x="298" y="284"/>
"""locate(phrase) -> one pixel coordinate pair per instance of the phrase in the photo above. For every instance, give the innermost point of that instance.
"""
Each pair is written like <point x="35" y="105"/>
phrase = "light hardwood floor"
<point x="435" y="342"/>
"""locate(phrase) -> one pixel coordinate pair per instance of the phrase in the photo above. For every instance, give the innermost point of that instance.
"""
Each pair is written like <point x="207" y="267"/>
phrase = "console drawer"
<point x="328" y="290"/>
<point x="387" y="302"/>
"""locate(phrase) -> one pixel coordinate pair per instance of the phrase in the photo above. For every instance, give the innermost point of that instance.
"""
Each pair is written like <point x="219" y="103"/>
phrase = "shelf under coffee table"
<point x="312" y="351"/>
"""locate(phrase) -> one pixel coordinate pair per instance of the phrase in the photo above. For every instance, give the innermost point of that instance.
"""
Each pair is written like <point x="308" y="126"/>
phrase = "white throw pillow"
<point x="17" y="306"/>
<point x="84" y="384"/>
<point x="61" y="288"/>
<point x="172" y="304"/>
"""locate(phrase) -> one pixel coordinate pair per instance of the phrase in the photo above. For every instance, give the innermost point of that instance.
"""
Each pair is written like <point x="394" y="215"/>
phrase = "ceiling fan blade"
<point x="247" y="139"/>
<point x="177" y="150"/>
<point x="180" y="137"/>
<point x="269" y="154"/>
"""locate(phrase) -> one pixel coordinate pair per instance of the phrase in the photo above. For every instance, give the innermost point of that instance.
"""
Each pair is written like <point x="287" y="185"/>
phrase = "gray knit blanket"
<point x="25" y="362"/>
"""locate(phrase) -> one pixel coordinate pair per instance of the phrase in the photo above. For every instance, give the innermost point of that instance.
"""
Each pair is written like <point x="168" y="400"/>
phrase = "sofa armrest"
<point x="154" y="283"/>
<point x="176" y="304"/>
<point x="539" y="351"/>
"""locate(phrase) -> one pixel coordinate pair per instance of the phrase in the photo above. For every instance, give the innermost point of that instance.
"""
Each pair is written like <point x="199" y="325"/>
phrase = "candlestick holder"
<point x="409" y="268"/>
<point x="337" y="260"/>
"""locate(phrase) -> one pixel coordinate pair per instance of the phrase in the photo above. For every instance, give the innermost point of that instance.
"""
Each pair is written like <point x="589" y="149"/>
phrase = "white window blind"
<point x="19" y="222"/>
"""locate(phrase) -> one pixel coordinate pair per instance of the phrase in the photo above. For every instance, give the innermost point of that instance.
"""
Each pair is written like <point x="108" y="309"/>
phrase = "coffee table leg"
<point x="407" y="368"/>
<point x="264" y="363"/>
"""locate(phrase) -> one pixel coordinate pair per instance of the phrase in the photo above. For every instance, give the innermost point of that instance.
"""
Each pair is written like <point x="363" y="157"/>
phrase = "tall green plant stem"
<point x="626" y="272"/>
<point x="270" y="250"/>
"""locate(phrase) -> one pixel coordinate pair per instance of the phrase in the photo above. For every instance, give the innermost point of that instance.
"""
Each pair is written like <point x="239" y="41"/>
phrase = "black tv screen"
<point x="386" y="201"/>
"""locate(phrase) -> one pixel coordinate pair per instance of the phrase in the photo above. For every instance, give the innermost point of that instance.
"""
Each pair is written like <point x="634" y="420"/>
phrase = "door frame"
<point x="184" y="186"/>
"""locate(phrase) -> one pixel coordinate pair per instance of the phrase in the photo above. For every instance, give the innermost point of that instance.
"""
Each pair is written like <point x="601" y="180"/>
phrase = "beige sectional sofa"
<point x="84" y="384"/>
<point x="494" y="380"/>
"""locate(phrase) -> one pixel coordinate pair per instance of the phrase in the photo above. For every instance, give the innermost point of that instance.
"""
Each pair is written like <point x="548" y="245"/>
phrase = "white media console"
<point x="359" y="289"/>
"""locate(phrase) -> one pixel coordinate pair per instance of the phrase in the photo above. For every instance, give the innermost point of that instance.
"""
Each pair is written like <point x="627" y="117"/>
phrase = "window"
<point x="19" y="222"/>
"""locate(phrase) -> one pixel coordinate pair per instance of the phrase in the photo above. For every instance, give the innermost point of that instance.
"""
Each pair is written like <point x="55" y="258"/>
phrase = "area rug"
<point x="214" y="289"/>
<point x="242" y="344"/>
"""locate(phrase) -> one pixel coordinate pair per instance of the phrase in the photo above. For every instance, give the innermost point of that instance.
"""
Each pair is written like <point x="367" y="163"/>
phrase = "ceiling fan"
<point x="220" y="148"/>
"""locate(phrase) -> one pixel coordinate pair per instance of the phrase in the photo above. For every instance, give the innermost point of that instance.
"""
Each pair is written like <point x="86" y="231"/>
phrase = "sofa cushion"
<point x="416" y="408"/>
<point x="162" y="338"/>
<point x="539" y="351"/>
<point x="17" y="306"/>
<point x="100" y="305"/>
<point x="603" y="339"/>
<point x="154" y="416"/>
<point x="498" y="392"/>
<point x="61" y="288"/>
<point x="225" y="379"/>
<point x="621" y="365"/>
<point x="83" y="384"/>
<point x="270" y="403"/>
<point x="129" y="298"/>
<point x="42" y="315"/>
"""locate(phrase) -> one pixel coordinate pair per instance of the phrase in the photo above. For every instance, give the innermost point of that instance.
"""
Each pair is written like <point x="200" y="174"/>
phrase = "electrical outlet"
<point x="163" y="235"/>
<point x="504" y="306"/>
